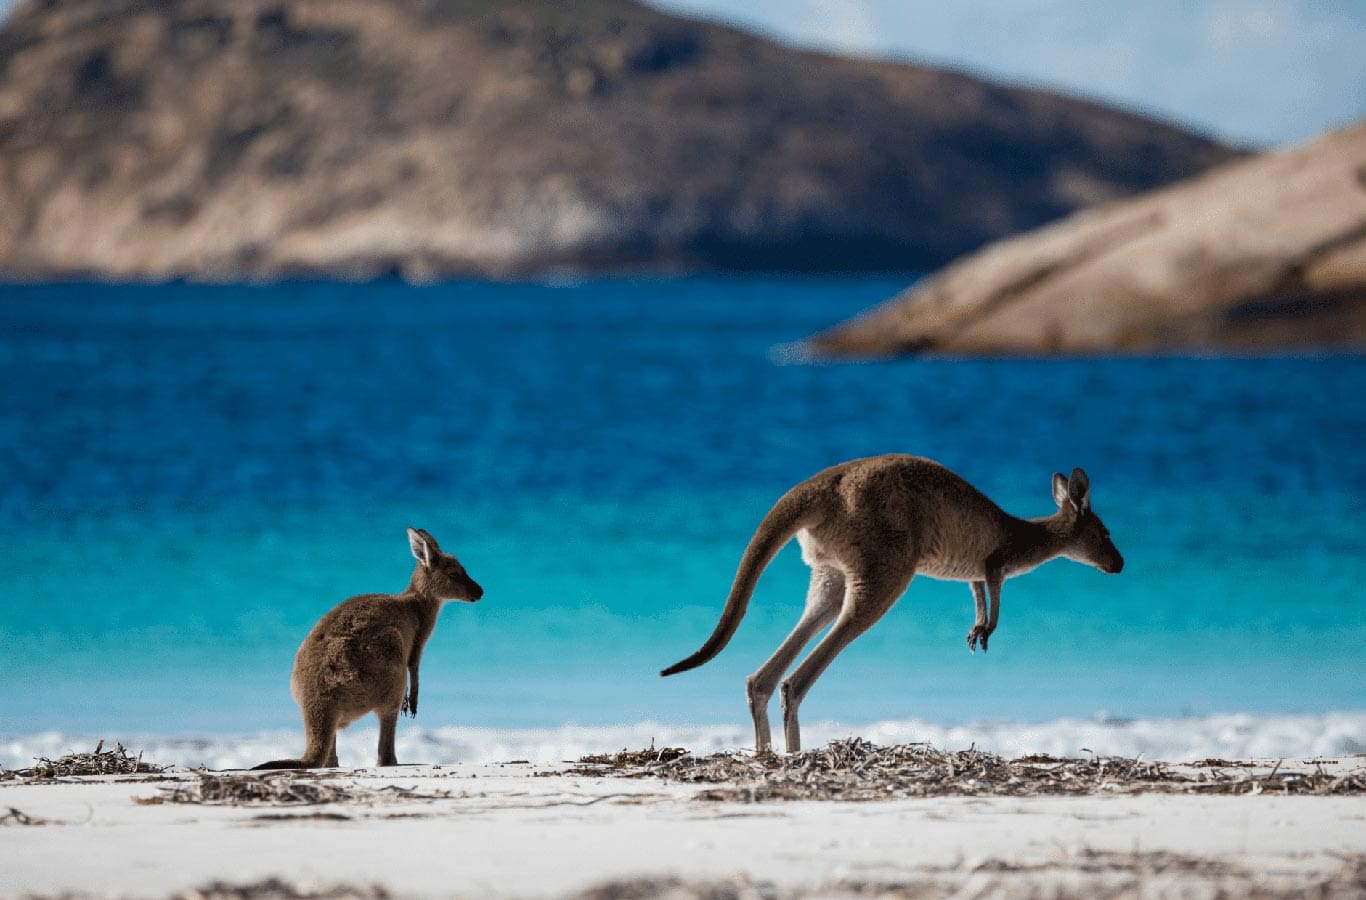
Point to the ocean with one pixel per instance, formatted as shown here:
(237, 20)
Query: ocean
(191, 475)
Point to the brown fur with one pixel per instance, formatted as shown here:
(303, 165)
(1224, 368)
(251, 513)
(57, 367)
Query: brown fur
(363, 656)
(866, 527)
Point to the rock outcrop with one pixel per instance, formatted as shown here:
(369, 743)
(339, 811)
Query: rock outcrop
(228, 139)
(1263, 253)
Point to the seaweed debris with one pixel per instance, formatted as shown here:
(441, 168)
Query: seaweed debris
(279, 889)
(277, 789)
(856, 769)
(629, 763)
(98, 762)
(1090, 875)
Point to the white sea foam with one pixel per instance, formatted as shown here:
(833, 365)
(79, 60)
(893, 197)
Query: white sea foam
(1230, 736)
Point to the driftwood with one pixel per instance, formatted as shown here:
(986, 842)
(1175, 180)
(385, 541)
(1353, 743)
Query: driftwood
(855, 769)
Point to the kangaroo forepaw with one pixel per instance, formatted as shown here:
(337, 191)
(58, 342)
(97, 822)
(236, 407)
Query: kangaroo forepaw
(409, 707)
(978, 633)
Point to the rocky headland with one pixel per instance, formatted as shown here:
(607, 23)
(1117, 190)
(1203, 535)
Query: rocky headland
(1260, 254)
(264, 139)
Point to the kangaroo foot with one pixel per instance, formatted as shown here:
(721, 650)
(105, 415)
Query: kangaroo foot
(978, 633)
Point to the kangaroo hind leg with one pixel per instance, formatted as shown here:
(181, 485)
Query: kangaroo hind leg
(320, 730)
(868, 598)
(388, 723)
(823, 600)
(320, 726)
(979, 625)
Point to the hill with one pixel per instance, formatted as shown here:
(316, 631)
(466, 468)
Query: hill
(230, 139)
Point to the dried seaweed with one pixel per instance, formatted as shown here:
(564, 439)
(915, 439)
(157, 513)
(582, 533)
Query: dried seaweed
(279, 889)
(1215, 762)
(1092, 874)
(266, 889)
(99, 762)
(278, 789)
(630, 763)
(855, 769)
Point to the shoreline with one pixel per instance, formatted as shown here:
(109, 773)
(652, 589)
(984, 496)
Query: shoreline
(523, 830)
(1226, 735)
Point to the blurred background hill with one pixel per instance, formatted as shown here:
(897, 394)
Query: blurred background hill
(259, 139)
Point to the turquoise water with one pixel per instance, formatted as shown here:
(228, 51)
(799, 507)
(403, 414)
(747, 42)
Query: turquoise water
(193, 475)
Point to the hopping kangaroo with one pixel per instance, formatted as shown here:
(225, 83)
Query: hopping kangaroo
(363, 656)
(866, 527)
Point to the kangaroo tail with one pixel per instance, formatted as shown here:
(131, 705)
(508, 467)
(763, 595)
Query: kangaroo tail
(777, 528)
(288, 764)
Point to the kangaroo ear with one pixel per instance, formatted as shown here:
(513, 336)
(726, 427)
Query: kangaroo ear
(1059, 488)
(422, 550)
(1079, 490)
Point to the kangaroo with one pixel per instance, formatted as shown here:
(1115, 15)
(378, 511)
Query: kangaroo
(358, 657)
(866, 527)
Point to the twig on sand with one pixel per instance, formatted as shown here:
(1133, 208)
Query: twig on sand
(19, 817)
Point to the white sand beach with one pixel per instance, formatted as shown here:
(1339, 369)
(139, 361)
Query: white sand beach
(522, 830)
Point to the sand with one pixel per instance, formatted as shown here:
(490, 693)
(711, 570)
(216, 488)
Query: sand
(518, 830)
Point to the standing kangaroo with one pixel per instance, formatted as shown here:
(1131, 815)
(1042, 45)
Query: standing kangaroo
(866, 527)
(363, 656)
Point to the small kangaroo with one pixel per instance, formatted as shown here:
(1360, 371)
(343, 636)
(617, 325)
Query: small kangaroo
(866, 527)
(362, 655)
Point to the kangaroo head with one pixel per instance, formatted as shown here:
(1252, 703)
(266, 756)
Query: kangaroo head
(440, 574)
(1089, 540)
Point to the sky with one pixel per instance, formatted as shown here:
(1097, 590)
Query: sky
(1253, 72)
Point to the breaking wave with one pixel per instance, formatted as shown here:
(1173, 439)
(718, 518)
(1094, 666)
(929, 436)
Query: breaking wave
(1229, 736)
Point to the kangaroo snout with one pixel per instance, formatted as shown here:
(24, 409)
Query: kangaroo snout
(1114, 566)
(476, 593)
